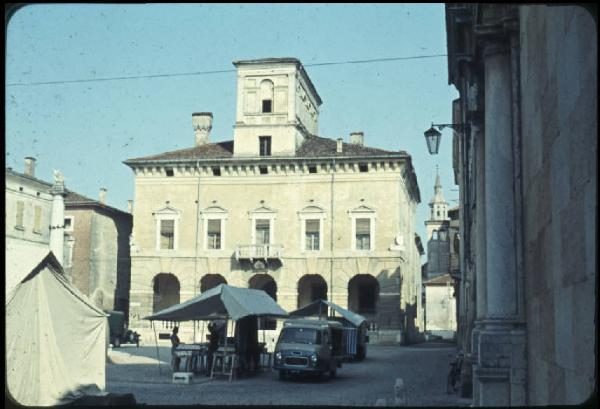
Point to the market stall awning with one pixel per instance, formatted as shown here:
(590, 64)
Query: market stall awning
(222, 302)
(319, 307)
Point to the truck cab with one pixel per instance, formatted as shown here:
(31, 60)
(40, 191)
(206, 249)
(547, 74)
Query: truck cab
(309, 346)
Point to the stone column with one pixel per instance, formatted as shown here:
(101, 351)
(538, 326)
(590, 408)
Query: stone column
(499, 373)
(499, 186)
(57, 219)
(479, 243)
(480, 247)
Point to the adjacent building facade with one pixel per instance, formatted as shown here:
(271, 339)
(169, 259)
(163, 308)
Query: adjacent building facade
(97, 256)
(281, 209)
(89, 238)
(33, 215)
(527, 169)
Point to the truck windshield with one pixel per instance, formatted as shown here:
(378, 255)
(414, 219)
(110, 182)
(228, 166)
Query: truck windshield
(300, 335)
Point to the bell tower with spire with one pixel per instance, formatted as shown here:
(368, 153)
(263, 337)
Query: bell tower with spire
(439, 209)
(437, 232)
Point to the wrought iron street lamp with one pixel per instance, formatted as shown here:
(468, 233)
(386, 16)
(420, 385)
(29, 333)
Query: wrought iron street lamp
(432, 135)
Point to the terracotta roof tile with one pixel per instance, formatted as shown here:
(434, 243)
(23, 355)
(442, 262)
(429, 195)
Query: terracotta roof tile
(313, 146)
(207, 151)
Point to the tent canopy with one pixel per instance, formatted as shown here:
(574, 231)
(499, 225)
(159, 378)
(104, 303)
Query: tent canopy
(19, 266)
(320, 306)
(222, 302)
(56, 339)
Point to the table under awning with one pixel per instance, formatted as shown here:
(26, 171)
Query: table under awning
(223, 302)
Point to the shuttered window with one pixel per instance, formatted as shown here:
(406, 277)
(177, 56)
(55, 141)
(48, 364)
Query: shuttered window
(167, 234)
(214, 234)
(20, 210)
(37, 221)
(312, 235)
(363, 234)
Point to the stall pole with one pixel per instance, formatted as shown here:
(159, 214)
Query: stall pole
(156, 343)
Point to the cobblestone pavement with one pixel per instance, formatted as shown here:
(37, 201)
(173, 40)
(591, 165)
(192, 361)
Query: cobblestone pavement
(422, 367)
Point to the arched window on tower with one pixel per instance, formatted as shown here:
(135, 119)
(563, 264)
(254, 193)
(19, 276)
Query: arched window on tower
(443, 234)
(266, 96)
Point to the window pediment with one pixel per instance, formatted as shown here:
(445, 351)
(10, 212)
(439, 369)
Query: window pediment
(362, 209)
(167, 211)
(264, 210)
(312, 209)
(214, 211)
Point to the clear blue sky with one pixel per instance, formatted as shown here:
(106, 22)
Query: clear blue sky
(87, 129)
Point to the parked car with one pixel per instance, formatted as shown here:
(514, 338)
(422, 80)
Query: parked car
(310, 347)
(119, 334)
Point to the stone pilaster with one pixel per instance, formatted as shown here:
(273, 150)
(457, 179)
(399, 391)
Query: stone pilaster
(500, 369)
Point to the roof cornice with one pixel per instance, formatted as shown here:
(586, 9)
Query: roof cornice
(262, 159)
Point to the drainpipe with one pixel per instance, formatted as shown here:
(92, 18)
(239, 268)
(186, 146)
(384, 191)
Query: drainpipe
(196, 245)
(331, 233)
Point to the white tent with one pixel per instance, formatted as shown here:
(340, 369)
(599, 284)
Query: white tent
(56, 340)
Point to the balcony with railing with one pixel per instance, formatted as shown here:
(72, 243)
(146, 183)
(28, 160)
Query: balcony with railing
(259, 251)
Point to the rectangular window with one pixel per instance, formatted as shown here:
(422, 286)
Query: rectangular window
(312, 169)
(265, 145)
(20, 210)
(264, 170)
(170, 172)
(216, 171)
(363, 234)
(69, 223)
(267, 105)
(37, 221)
(363, 167)
(214, 234)
(263, 230)
(312, 235)
(167, 234)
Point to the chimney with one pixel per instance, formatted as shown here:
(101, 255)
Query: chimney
(103, 191)
(202, 123)
(357, 138)
(30, 166)
(130, 206)
(340, 145)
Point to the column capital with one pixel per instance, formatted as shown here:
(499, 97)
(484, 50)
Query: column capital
(496, 46)
(497, 26)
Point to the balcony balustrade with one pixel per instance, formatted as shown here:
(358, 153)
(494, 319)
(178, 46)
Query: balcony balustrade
(259, 251)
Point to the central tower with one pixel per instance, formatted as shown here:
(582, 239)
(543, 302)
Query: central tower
(277, 107)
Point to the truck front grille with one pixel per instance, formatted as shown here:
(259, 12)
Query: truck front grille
(296, 360)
